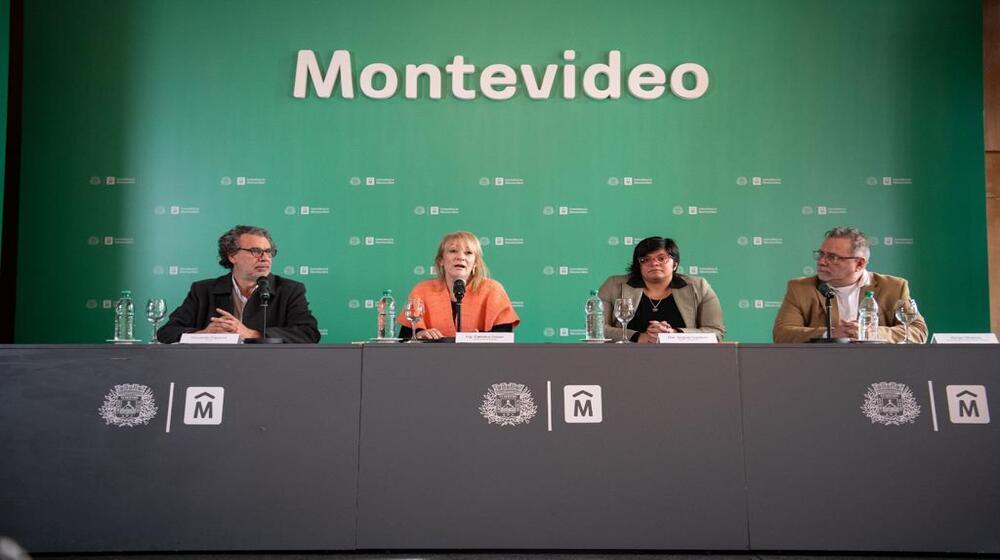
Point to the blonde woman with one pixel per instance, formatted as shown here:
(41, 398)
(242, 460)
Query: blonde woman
(485, 306)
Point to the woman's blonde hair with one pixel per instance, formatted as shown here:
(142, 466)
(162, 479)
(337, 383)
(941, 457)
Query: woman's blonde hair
(464, 239)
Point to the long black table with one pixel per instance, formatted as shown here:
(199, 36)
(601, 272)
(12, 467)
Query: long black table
(823, 475)
(277, 472)
(714, 447)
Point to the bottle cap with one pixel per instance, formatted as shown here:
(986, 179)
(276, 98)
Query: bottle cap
(593, 292)
(869, 293)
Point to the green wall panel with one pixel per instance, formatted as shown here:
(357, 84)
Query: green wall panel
(830, 99)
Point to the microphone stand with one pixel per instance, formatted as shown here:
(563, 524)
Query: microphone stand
(265, 301)
(829, 339)
(459, 292)
(829, 319)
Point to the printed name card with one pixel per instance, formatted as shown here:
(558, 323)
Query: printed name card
(688, 338)
(964, 338)
(485, 337)
(210, 338)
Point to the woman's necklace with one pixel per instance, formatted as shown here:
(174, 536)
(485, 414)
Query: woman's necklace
(656, 303)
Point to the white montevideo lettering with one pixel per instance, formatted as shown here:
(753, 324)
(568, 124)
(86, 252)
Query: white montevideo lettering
(498, 82)
(646, 75)
(367, 81)
(534, 90)
(613, 71)
(700, 81)
(433, 74)
(458, 69)
(307, 67)
(498, 75)
(569, 75)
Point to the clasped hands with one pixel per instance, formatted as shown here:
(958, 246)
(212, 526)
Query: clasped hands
(652, 334)
(846, 329)
(228, 323)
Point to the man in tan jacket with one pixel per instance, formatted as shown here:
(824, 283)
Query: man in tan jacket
(841, 263)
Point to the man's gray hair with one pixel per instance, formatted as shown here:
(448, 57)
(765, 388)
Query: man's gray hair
(229, 242)
(859, 242)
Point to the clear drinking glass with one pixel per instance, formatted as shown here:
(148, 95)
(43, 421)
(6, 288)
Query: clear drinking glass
(413, 312)
(906, 312)
(156, 310)
(624, 311)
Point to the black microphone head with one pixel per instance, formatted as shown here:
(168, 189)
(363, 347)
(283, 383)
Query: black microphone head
(459, 289)
(264, 288)
(826, 290)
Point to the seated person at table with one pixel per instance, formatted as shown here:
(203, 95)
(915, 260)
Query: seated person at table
(231, 304)
(841, 262)
(665, 301)
(485, 307)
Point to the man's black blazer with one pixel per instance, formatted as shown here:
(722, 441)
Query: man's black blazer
(288, 314)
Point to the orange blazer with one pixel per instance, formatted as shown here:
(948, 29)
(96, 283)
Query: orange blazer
(481, 310)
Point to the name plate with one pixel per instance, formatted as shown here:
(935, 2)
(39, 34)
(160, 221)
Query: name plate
(485, 337)
(964, 338)
(688, 338)
(210, 338)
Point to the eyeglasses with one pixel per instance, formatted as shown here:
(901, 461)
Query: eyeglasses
(831, 258)
(257, 252)
(658, 259)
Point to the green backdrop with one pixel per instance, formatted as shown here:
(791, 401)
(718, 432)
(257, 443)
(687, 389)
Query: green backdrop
(152, 127)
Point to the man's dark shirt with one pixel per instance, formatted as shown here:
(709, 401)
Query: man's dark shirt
(288, 315)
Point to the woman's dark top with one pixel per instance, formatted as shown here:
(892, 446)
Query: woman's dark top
(666, 311)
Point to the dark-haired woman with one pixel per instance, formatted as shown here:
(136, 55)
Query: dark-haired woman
(665, 301)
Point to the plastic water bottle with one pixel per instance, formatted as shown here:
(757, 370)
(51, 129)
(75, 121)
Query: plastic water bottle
(386, 315)
(595, 317)
(124, 316)
(868, 318)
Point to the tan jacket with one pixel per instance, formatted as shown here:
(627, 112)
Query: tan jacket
(698, 304)
(803, 313)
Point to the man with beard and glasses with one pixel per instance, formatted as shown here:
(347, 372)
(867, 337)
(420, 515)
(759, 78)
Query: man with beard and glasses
(841, 263)
(232, 303)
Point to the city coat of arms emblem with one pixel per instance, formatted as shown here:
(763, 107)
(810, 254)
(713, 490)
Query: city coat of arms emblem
(128, 405)
(890, 404)
(508, 404)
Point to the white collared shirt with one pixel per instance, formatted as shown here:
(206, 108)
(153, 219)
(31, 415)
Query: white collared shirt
(240, 302)
(847, 297)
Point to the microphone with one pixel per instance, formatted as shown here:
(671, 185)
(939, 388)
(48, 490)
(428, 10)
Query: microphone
(459, 290)
(264, 289)
(826, 290)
